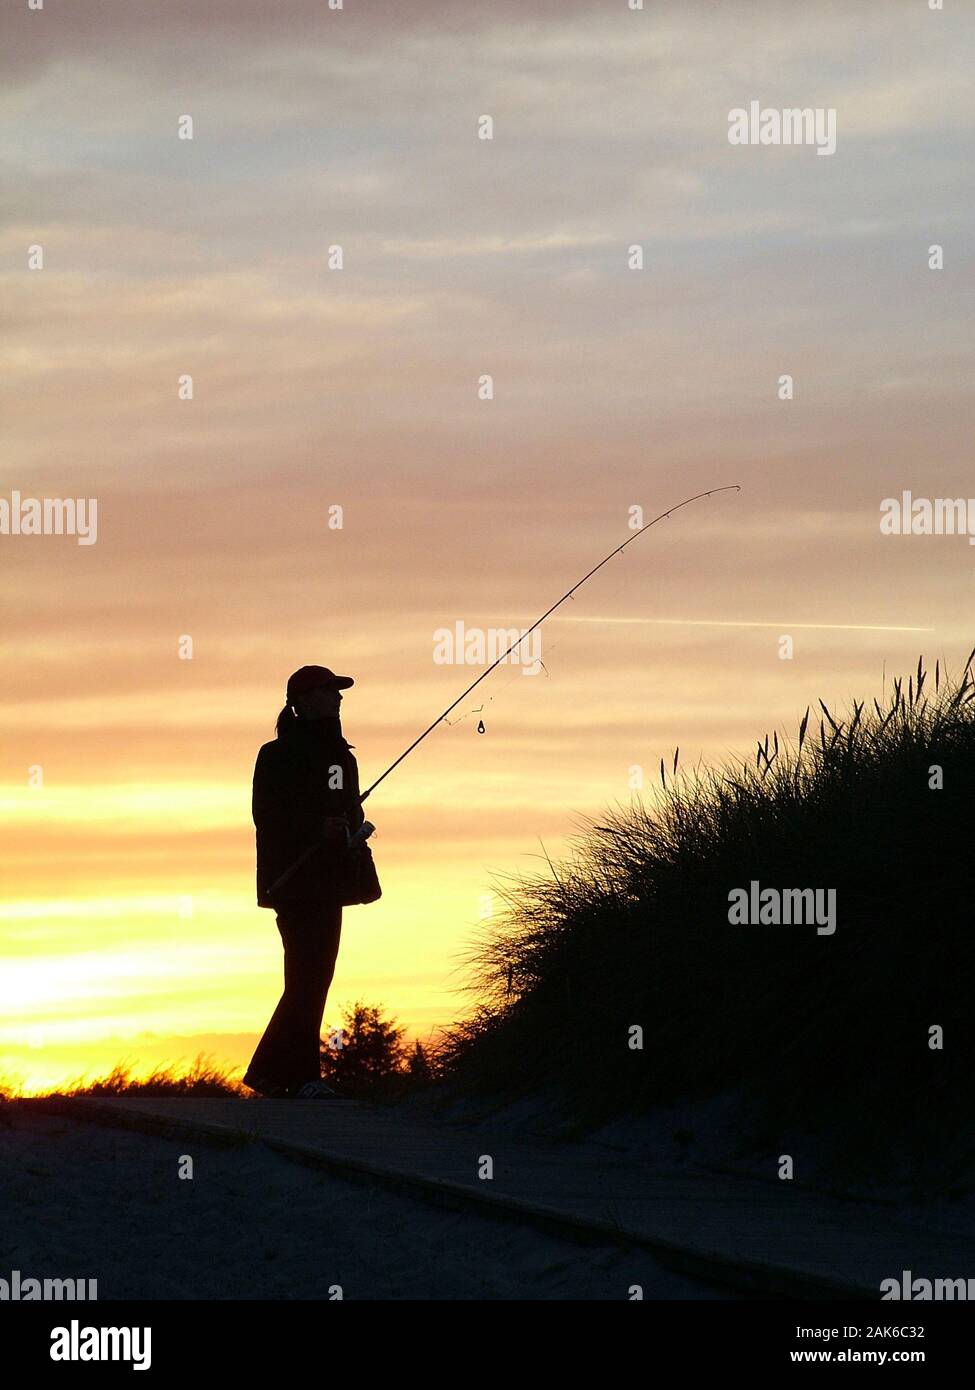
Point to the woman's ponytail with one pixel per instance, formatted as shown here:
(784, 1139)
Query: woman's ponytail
(287, 722)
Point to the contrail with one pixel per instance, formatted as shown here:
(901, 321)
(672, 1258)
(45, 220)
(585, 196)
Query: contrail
(721, 622)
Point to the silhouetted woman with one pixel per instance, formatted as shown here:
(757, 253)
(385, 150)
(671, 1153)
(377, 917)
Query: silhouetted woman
(306, 792)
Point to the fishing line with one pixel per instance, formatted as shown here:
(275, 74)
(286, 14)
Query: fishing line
(571, 638)
(617, 550)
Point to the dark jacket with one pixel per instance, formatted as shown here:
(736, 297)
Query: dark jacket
(292, 796)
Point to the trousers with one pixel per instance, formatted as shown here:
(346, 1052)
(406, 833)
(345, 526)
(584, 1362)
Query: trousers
(288, 1054)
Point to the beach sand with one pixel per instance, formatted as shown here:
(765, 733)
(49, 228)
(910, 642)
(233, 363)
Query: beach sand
(84, 1201)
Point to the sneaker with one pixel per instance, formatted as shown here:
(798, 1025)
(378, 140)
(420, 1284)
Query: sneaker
(315, 1090)
(267, 1089)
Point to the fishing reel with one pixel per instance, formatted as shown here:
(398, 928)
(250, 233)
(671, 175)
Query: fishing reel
(366, 829)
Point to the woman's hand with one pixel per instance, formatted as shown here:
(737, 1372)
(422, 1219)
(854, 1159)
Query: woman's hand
(335, 828)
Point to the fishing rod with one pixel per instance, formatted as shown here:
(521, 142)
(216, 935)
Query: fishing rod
(618, 550)
(367, 828)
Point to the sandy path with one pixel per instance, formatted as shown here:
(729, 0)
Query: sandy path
(83, 1201)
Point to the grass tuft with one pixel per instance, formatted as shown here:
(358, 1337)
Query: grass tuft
(203, 1078)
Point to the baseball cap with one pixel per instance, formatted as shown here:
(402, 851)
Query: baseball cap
(311, 678)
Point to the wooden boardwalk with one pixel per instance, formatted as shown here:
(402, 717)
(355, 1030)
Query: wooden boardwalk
(770, 1239)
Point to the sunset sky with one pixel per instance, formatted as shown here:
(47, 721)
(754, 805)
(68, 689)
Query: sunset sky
(358, 388)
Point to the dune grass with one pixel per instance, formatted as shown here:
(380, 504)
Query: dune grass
(823, 1033)
(201, 1078)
